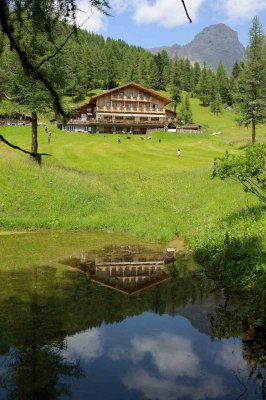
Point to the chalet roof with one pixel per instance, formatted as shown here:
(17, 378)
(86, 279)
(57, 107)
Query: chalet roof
(93, 99)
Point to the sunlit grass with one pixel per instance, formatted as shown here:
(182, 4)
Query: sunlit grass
(138, 187)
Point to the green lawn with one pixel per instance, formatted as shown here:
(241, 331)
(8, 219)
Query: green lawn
(138, 187)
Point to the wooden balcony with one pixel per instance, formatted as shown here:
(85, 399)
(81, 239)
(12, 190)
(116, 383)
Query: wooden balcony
(120, 121)
(131, 98)
(131, 110)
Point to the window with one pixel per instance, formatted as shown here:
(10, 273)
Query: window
(143, 105)
(129, 105)
(155, 106)
(155, 119)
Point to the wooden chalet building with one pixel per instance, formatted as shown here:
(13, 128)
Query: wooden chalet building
(130, 108)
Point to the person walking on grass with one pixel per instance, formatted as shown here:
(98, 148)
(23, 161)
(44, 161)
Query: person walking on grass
(178, 153)
(49, 137)
(118, 140)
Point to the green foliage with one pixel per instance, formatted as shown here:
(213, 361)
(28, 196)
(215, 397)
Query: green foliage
(248, 169)
(204, 87)
(176, 96)
(216, 104)
(251, 99)
(185, 115)
(223, 84)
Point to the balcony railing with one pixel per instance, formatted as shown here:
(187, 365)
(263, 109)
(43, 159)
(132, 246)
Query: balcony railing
(130, 110)
(117, 121)
(132, 98)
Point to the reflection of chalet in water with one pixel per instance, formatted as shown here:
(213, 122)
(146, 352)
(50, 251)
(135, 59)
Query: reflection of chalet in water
(126, 269)
(130, 277)
(130, 108)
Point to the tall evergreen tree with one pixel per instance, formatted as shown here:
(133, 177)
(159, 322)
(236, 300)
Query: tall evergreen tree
(223, 84)
(175, 80)
(251, 97)
(216, 104)
(204, 89)
(176, 96)
(185, 110)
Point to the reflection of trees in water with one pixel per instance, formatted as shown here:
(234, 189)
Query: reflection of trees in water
(33, 372)
(32, 367)
(39, 308)
(237, 316)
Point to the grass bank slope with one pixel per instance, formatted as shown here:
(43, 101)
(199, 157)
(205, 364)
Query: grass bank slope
(139, 186)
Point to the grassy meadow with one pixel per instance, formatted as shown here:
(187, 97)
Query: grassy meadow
(138, 187)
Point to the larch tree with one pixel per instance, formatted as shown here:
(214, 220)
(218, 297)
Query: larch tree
(251, 96)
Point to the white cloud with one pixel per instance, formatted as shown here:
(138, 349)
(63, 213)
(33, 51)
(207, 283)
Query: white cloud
(160, 388)
(96, 21)
(86, 345)
(241, 9)
(231, 357)
(120, 6)
(172, 355)
(167, 13)
(174, 358)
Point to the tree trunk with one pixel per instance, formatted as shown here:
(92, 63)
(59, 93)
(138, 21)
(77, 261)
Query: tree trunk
(253, 130)
(34, 130)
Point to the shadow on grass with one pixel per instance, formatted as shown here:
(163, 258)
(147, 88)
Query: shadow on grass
(255, 212)
(73, 170)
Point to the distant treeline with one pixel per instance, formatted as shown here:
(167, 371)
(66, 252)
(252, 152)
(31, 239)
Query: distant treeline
(89, 61)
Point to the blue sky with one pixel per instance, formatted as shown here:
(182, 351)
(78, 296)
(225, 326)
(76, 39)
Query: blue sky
(152, 23)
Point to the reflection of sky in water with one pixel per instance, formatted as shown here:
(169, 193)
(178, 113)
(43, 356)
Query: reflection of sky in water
(159, 358)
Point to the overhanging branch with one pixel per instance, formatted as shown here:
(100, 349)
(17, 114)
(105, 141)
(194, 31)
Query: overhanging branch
(2, 139)
(185, 8)
(29, 68)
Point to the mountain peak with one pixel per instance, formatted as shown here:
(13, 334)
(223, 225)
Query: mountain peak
(214, 44)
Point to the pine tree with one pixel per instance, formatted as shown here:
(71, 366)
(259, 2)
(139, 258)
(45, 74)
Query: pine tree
(204, 89)
(185, 110)
(236, 70)
(176, 75)
(176, 96)
(223, 84)
(154, 81)
(196, 73)
(251, 97)
(216, 104)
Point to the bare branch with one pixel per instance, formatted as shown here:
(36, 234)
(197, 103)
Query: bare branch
(2, 139)
(185, 8)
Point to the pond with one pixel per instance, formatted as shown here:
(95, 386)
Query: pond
(100, 316)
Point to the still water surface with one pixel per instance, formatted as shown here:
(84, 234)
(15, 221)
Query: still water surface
(97, 317)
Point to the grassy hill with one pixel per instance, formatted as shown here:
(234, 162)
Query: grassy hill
(139, 186)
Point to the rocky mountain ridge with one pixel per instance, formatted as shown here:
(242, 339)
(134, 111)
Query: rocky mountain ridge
(214, 44)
